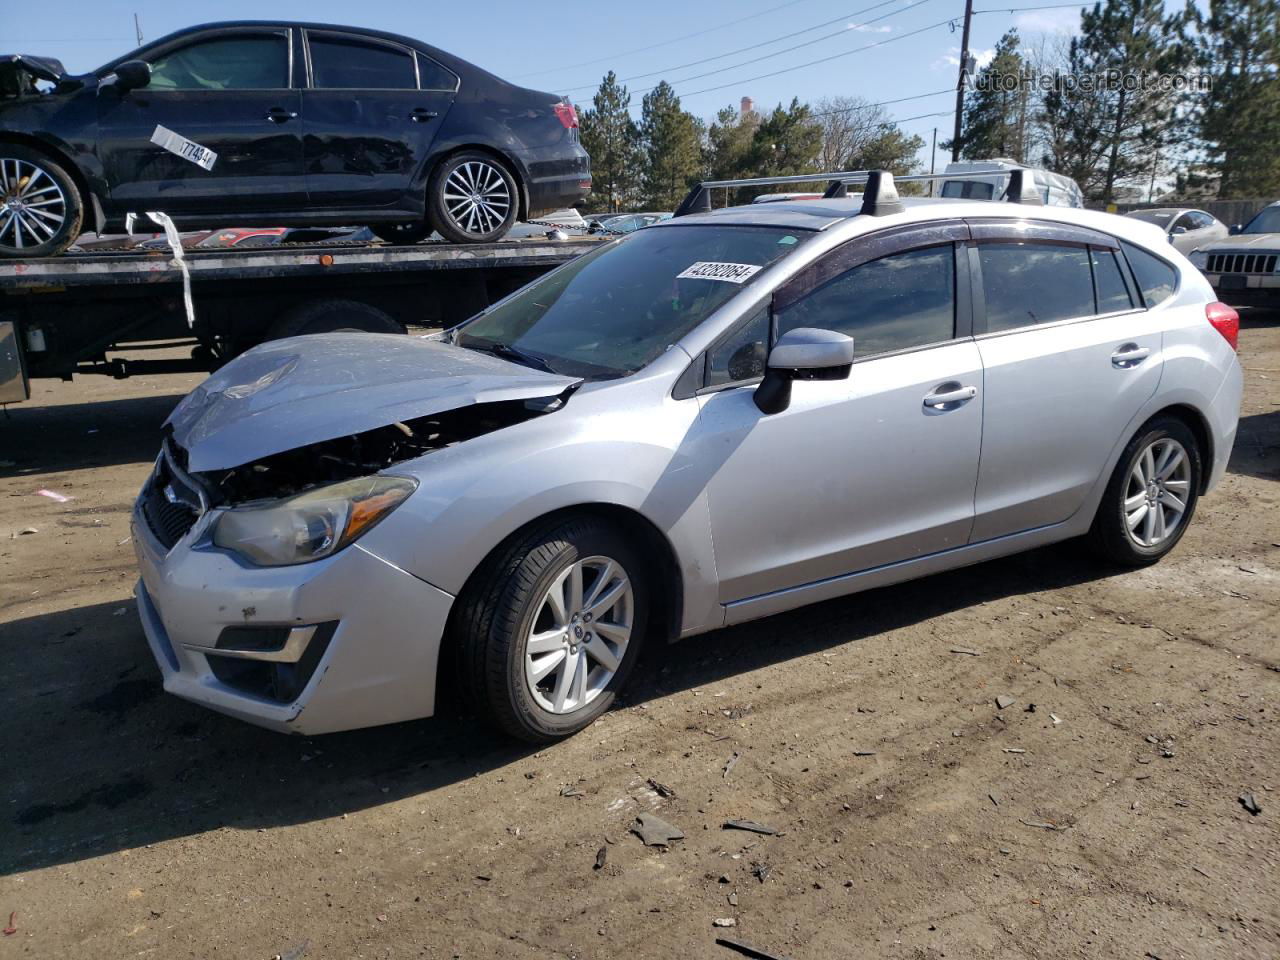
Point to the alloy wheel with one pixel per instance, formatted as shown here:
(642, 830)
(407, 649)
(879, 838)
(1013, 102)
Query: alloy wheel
(579, 635)
(1157, 492)
(477, 197)
(33, 207)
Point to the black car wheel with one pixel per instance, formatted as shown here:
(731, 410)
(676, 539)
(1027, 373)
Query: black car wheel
(472, 198)
(40, 208)
(402, 232)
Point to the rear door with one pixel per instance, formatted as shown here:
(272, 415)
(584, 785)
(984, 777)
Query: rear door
(369, 115)
(227, 90)
(1070, 356)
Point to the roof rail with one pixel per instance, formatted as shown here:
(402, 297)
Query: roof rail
(879, 195)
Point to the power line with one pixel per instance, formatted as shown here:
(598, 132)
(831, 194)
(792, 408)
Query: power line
(765, 43)
(655, 46)
(881, 103)
(1050, 6)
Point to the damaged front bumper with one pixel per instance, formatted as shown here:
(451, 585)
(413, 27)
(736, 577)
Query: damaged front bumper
(345, 642)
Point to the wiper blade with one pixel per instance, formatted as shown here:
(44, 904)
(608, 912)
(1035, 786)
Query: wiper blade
(516, 355)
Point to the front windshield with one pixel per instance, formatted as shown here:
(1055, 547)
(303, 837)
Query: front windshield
(1268, 221)
(615, 310)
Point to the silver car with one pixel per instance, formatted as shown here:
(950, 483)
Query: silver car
(1186, 229)
(717, 418)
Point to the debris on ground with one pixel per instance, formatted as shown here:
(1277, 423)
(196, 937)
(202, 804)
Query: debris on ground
(749, 825)
(761, 870)
(601, 856)
(748, 950)
(730, 764)
(661, 789)
(864, 753)
(569, 790)
(293, 953)
(12, 928)
(1250, 804)
(54, 495)
(1040, 824)
(1055, 718)
(654, 831)
(26, 532)
(724, 922)
(1004, 700)
(967, 651)
(1029, 708)
(1014, 750)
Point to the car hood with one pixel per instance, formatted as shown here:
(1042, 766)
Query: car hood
(40, 68)
(1244, 241)
(291, 393)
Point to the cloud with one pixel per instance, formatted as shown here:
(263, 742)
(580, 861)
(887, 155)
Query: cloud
(1048, 21)
(866, 28)
(951, 59)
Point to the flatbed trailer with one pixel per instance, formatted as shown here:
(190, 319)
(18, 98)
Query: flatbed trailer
(60, 316)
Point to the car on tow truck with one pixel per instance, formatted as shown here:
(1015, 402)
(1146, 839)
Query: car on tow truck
(720, 417)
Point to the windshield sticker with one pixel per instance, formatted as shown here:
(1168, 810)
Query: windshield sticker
(180, 146)
(728, 272)
(787, 241)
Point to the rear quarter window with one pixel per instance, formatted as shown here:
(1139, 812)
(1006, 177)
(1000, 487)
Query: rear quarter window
(1157, 279)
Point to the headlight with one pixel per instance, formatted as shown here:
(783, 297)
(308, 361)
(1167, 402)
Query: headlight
(1199, 259)
(311, 525)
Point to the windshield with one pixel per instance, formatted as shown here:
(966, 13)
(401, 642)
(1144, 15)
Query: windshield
(615, 310)
(1268, 221)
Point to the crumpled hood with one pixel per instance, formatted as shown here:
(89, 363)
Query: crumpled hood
(290, 393)
(1242, 242)
(42, 68)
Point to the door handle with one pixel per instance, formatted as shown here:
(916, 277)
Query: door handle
(949, 395)
(1130, 355)
(422, 115)
(281, 115)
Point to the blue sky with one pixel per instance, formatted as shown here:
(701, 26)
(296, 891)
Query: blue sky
(555, 46)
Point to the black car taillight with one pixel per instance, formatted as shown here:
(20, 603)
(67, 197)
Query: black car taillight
(568, 114)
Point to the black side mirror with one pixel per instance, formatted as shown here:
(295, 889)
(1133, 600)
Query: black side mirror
(805, 353)
(1236, 228)
(132, 74)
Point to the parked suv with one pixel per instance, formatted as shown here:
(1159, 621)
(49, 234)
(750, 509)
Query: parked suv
(1244, 268)
(295, 124)
(720, 417)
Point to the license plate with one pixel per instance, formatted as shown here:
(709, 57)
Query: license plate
(1233, 283)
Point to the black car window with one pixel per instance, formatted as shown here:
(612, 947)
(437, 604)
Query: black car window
(1032, 283)
(1113, 293)
(740, 355)
(899, 301)
(615, 310)
(345, 63)
(1156, 279)
(1186, 222)
(1200, 220)
(258, 62)
(968, 189)
(432, 76)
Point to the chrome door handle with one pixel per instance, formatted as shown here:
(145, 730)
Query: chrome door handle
(955, 395)
(1130, 355)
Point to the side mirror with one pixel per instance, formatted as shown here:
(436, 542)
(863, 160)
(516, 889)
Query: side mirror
(1236, 228)
(132, 74)
(805, 353)
(1178, 230)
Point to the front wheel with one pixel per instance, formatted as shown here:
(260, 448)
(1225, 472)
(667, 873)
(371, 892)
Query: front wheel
(1151, 496)
(41, 211)
(551, 628)
(472, 198)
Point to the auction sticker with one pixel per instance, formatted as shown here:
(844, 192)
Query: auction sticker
(728, 272)
(179, 145)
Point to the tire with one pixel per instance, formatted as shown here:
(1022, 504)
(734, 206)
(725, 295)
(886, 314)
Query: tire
(332, 316)
(455, 215)
(507, 602)
(1123, 532)
(402, 232)
(41, 210)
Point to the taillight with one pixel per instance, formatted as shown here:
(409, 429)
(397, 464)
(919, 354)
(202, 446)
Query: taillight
(568, 114)
(1225, 320)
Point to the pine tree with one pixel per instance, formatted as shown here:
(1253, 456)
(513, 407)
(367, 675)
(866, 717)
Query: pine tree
(891, 150)
(995, 122)
(671, 140)
(787, 142)
(611, 138)
(1238, 119)
(726, 155)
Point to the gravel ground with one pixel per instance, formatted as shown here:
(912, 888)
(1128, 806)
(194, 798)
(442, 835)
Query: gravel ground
(1096, 816)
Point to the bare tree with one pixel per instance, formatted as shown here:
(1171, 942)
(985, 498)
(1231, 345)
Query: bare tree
(848, 124)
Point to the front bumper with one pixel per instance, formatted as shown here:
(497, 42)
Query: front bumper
(378, 628)
(1246, 290)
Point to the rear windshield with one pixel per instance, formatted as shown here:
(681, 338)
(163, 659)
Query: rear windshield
(613, 311)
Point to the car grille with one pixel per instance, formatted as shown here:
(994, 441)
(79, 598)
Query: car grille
(1242, 262)
(171, 501)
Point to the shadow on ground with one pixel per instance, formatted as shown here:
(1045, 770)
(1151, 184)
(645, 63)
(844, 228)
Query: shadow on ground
(100, 759)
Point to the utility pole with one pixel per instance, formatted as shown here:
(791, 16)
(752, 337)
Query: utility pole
(933, 158)
(964, 68)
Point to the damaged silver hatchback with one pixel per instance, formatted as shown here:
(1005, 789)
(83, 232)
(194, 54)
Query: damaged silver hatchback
(716, 418)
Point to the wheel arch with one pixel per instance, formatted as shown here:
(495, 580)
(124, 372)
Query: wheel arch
(89, 200)
(1195, 422)
(509, 161)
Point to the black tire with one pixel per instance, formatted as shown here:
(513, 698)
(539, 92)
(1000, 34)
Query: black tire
(332, 316)
(1110, 535)
(500, 607)
(402, 232)
(485, 169)
(29, 177)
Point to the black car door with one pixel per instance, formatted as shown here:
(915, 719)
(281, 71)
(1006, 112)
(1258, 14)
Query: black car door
(368, 119)
(229, 91)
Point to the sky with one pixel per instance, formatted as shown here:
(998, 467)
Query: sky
(879, 49)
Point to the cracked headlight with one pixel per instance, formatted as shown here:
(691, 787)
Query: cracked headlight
(311, 525)
(1199, 259)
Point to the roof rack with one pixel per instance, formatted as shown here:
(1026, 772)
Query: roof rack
(879, 193)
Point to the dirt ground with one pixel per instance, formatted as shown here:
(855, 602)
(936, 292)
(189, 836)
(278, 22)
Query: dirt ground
(914, 818)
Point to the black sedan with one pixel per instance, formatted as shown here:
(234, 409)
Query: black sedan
(234, 124)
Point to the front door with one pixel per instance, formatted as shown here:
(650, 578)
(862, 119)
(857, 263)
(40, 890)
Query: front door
(369, 117)
(227, 91)
(861, 472)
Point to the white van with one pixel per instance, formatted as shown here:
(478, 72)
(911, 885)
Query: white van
(988, 180)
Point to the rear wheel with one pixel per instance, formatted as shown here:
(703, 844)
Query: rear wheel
(550, 628)
(332, 316)
(41, 211)
(402, 232)
(472, 198)
(1151, 496)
